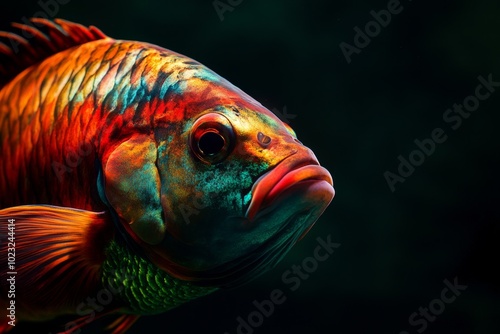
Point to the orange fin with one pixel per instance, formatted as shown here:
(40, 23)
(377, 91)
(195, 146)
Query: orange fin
(58, 252)
(122, 324)
(38, 41)
(119, 324)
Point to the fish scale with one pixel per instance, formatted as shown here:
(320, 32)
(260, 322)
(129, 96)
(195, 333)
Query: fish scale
(147, 289)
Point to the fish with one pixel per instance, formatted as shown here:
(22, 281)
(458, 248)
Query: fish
(134, 179)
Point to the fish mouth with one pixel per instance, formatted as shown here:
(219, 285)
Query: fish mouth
(290, 173)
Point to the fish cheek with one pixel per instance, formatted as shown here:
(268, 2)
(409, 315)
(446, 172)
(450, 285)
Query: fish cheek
(132, 187)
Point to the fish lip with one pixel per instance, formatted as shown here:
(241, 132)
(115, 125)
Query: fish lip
(289, 172)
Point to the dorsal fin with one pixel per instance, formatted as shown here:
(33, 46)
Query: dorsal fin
(34, 43)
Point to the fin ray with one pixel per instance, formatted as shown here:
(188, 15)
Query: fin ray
(56, 249)
(122, 324)
(43, 39)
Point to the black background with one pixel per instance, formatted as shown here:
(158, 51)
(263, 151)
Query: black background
(396, 247)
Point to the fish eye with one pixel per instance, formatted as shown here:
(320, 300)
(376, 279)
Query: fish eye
(212, 138)
(211, 142)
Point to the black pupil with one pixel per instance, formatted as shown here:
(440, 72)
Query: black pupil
(211, 143)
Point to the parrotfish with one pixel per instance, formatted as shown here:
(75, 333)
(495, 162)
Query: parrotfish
(134, 179)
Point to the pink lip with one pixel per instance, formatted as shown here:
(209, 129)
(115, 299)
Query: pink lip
(286, 174)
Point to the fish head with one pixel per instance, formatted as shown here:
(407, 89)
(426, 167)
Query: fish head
(229, 188)
(240, 189)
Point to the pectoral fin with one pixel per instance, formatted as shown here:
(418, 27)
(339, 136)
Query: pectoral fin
(55, 253)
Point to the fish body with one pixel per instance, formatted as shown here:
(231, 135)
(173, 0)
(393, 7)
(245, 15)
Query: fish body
(132, 170)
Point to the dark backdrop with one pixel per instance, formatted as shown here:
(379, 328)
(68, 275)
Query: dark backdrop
(397, 247)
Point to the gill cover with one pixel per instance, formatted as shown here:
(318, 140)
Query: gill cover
(132, 187)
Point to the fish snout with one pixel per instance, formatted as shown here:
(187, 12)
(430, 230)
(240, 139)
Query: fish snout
(300, 174)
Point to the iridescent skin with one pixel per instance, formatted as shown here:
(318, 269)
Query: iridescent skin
(123, 112)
